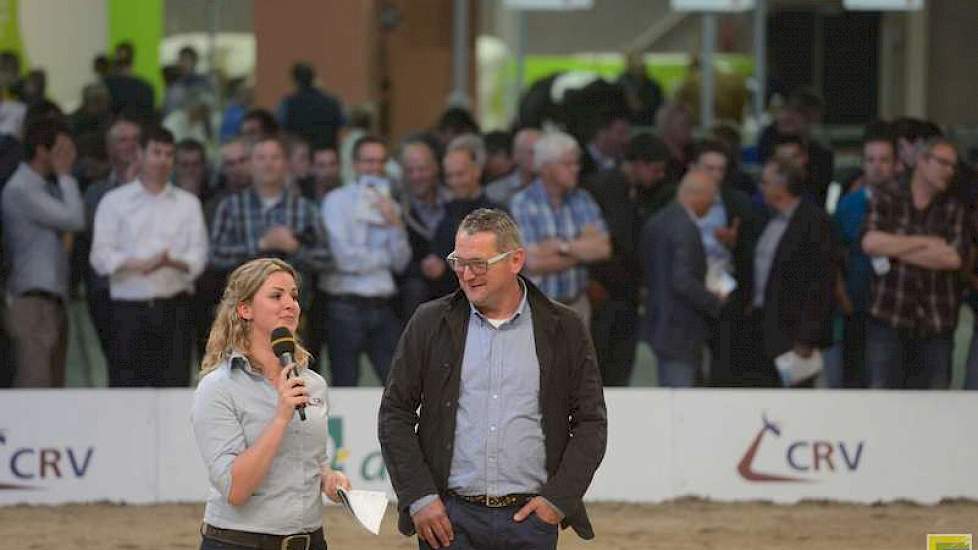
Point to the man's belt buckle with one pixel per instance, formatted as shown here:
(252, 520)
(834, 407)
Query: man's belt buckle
(297, 542)
(500, 502)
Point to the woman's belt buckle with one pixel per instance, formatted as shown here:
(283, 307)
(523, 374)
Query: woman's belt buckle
(297, 542)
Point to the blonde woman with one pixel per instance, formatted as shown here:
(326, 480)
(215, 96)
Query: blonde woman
(267, 467)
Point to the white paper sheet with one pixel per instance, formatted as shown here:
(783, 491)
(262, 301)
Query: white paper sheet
(718, 280)
(794, 368)
(368, 507)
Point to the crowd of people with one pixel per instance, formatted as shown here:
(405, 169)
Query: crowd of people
(646, 233)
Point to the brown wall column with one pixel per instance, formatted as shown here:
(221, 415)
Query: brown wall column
(405, 72)
(337, 37)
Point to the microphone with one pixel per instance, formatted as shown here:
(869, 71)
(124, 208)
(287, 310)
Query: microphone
(283, 345)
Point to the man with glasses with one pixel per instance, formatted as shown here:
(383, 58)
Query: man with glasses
(562, 225)
(915, 230)
(368, 240)
(512, 422)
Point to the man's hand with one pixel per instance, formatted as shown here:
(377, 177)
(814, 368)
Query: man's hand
(279, 238)
(803, 350)
(728, 235)
(722, 296)
(433, 525)
(550, 246)
(132, 171)
(168, 261)
(538, 506)
(432, 267)
(63, 155)
(144, 266)
(388, 210)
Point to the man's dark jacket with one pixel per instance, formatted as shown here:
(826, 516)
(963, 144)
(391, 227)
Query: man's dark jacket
(426, 372)
(798, 298)
(679, 307)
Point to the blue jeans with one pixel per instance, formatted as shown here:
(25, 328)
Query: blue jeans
(677, 373)
(899, 359)
(478, 527)
(355, 326)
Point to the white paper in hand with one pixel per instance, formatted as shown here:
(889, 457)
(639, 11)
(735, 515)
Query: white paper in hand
(794, 368)
(368, 507)
(718, 280)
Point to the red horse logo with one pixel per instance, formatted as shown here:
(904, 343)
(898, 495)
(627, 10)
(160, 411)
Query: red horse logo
(745, 467)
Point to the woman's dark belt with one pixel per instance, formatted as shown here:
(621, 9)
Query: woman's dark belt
(261, 541)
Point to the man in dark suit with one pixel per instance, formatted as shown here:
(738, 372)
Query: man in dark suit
(625, 196)
(680, 307)
(791, 294)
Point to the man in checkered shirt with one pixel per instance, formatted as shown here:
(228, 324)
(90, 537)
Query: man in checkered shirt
(561, 224)
(915, 234)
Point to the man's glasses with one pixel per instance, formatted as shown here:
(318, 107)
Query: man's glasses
(477, 267)
(945, 163)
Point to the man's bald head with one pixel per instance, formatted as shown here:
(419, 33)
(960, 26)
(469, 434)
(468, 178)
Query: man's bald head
(697, 191)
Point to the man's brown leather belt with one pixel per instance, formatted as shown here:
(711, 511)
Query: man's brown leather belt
(489, 501)
(260, 541)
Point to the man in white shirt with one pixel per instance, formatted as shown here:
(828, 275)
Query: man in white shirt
(370, 245)
(150, 240)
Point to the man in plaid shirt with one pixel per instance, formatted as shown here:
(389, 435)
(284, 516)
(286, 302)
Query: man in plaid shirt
(561, 224)
(272, 219)
(915, 232)
(267, 219)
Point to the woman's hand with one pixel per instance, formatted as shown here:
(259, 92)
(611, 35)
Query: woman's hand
(291, 393)
(333, 480)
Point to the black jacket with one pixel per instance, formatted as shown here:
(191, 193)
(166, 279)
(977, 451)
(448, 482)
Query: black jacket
(798, 299)
(426, 372)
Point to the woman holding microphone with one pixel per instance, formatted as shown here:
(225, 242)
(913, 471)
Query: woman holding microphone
(267, 467)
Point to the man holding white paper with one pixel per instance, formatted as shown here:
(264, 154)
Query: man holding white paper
(682, 301)
(791, 302)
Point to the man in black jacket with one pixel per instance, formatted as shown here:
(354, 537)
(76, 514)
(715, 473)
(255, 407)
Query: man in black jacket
(512, 422)
(791, 293)
(627, 196)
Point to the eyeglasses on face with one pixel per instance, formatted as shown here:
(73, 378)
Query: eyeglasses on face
(478, 267)
(945, 163)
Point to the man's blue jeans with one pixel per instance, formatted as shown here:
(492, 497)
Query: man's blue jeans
(355, 326)
(900, 359)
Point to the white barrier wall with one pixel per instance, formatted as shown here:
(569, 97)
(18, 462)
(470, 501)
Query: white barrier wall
(136, 446)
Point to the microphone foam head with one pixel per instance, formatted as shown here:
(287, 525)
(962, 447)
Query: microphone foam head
(283, 341)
